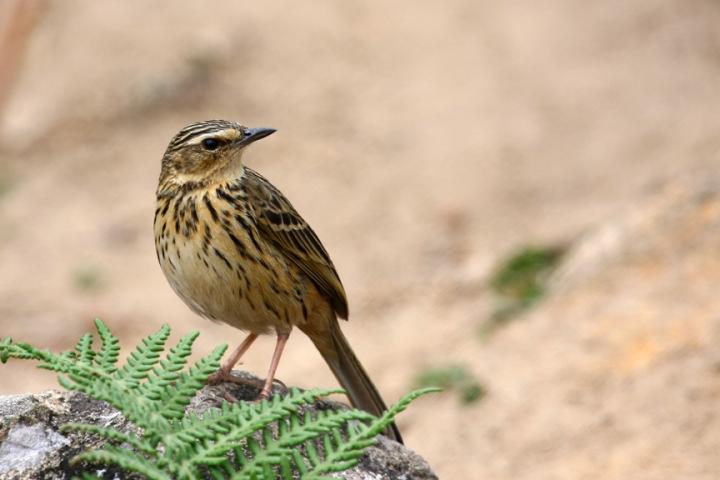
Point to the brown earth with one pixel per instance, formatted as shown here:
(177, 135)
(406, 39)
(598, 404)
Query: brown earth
(423, 141)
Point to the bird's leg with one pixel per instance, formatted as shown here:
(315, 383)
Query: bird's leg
(282, 339)
(223, 373)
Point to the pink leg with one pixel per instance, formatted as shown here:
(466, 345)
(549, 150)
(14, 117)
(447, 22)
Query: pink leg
(282, 339)
(224, 372)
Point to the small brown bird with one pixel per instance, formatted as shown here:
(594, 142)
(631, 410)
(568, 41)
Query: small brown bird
(236, 251)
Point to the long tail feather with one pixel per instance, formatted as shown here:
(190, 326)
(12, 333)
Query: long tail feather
(352, 376)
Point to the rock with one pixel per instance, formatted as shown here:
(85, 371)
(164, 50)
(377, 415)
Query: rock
(33, 447)
(25, 447)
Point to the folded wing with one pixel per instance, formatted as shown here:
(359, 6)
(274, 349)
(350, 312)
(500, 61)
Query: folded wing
(282, 225)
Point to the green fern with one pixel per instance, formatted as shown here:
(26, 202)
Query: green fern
(276, 438)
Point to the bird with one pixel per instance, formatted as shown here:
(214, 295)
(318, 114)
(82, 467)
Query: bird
(236, 251)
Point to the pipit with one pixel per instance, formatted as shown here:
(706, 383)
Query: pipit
(236, 251)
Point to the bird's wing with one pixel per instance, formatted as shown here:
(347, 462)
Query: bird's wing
(283, 226)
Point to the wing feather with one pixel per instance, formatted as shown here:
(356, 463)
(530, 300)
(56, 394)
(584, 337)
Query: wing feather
(282, 225)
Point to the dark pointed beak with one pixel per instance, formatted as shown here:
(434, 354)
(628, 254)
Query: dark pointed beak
(251, 135)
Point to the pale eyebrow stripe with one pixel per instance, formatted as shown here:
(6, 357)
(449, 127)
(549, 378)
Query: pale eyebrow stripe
(198, 130)
(196, 133)
(199, 137)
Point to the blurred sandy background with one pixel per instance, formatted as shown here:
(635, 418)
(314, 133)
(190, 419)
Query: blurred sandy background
(424, 141)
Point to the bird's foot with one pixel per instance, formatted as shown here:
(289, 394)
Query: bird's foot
(218, 377)
(268, 390)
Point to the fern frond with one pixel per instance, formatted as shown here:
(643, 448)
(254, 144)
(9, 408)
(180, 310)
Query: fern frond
(250, 415)
(111, 434)
(265, 440)
(209, 440)
(136, 409)
(383, 422)
(144, 357)
(295, 432)
(94, 380)
(5, 344)
(63, 363)
(175, 398)
(84, 349)
(169, 368)
(21, 351)
(347, 453)
(110, 348)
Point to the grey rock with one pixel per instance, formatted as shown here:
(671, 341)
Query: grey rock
(33, 447)
(26, 448)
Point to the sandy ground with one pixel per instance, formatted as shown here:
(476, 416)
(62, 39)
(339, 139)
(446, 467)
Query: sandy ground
(423, 141)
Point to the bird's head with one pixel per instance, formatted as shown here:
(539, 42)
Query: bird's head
(208, 149)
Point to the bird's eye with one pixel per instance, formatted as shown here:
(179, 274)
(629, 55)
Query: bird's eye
(211, 144)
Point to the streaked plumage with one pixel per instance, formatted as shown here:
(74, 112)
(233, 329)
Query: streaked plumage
(280, 224)
(236, 251)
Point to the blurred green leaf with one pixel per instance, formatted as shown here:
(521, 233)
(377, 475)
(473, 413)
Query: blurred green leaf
(472, 392)
(520, 281)
(88, 279)
(453, 377)
(522, 275)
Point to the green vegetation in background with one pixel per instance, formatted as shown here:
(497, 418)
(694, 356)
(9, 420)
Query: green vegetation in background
(456, 378)
(88, 279)
(520, 281)
(245, 440)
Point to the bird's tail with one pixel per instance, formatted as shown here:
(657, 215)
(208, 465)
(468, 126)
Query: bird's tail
(352, 376)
